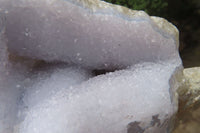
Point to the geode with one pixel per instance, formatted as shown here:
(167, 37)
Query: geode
(51, 50)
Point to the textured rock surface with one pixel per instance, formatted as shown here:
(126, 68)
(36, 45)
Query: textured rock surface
(189, 106)
(191, 89)
(86, 35)
(67, 28)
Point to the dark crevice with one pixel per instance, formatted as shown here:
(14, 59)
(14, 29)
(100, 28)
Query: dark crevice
(102, 71)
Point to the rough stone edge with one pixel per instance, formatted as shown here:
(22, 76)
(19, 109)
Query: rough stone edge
(161, 23)
(189, 94)
(167, 27)
(175, 82)
(189, 100)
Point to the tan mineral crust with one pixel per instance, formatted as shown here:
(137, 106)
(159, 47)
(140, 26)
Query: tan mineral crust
(188, 117)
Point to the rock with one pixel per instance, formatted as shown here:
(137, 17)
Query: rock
(68, 28)
(66, 41)
(189, 106)
(191, 89)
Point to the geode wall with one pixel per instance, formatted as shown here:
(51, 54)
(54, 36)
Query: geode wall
(50, 51)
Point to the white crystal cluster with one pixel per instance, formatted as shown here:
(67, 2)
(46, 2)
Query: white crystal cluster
(50, 51)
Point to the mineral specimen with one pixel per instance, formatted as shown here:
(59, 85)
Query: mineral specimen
(54, 48)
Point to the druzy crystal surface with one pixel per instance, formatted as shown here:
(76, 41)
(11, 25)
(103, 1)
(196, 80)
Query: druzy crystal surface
(51, 53)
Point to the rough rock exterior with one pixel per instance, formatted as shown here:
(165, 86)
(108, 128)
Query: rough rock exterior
(58, 44)
(188, 120)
